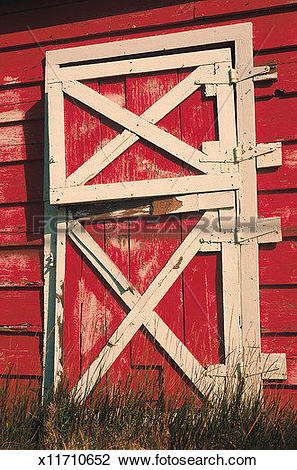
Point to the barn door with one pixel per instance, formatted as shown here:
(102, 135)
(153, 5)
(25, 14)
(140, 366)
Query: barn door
(152, 161)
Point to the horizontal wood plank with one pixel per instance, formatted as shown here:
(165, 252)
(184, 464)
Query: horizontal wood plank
(21, 225)
(278, 307)
(278, 263)
(119, 22)
(26, 133)
(22, 182)
(213, 8)
(276, 119)
(286, 73)
(27, 94)
(282, 205)
(20, 310)
(21, 111)
(20, 267)
(283, 177)
(20, 355)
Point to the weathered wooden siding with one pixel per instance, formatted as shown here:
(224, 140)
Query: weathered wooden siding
(22, 50)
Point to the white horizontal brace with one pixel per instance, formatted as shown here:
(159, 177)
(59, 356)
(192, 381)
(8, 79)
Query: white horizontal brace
(113, 149)
(166, 206)
(134, 123)
(142, 65)
(145, 188)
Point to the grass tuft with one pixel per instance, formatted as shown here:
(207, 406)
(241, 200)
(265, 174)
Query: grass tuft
(131, 417)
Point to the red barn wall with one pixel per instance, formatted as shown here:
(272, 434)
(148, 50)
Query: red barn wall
(30, 29)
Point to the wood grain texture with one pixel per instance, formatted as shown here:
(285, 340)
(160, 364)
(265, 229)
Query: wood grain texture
(116, 22)
(20, 267)
(278, 309)
(283, 177)
(20, 310)
(214, 8)
(22, 182)
(278, 263)
(282, 205)
(20, 355)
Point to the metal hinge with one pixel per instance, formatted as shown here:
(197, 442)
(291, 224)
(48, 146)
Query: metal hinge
(267, 155)
(265, 72)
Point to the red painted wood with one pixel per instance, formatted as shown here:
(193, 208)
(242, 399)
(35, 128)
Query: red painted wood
(278, 263)
(268, 30)
(286, 73)
(278, 307)
(21, 224)
(280, 394)
(22, 182)
(116, 22)
(26, 133)
(33, 57)
(82, 133)
(70, 335)
(13, 153)
(272, 118)
(116, 233)
(20, 95)
(20, 386)
(20, 267)
(20, 355)
(21, 308)
(114, 90)
(213, 8)
(283, 344)
(282, 205)
(153, 241)
(201, 302)
(21, 112)
(283, 177)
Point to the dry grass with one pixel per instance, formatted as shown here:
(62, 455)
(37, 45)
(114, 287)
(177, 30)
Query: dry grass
(132, 418)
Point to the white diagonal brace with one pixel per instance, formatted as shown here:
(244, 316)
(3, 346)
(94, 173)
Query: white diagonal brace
(145, 188)
(136, 124)
(123, 141)
(141, 309)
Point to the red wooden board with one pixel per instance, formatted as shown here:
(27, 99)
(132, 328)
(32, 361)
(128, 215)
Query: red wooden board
(20, 355)
(284, 176)
(22, 182)
(272, 118)
(278, 263)
(20, 267)
(21, 224)
(278, 307)
(121, 22)
(286, 73)
(20, 310)
(210, 8)
(282, 205)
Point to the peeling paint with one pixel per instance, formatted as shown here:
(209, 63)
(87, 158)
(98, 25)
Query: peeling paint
(165, 206)
(177, 265)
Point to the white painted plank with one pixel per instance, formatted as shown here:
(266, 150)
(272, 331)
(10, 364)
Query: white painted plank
(249, 262)
(122, 142)
(145, 188)
(143, 65)
(56, 135)
(59, 309)
(161, 43)
(133, 123)
(143, 307)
